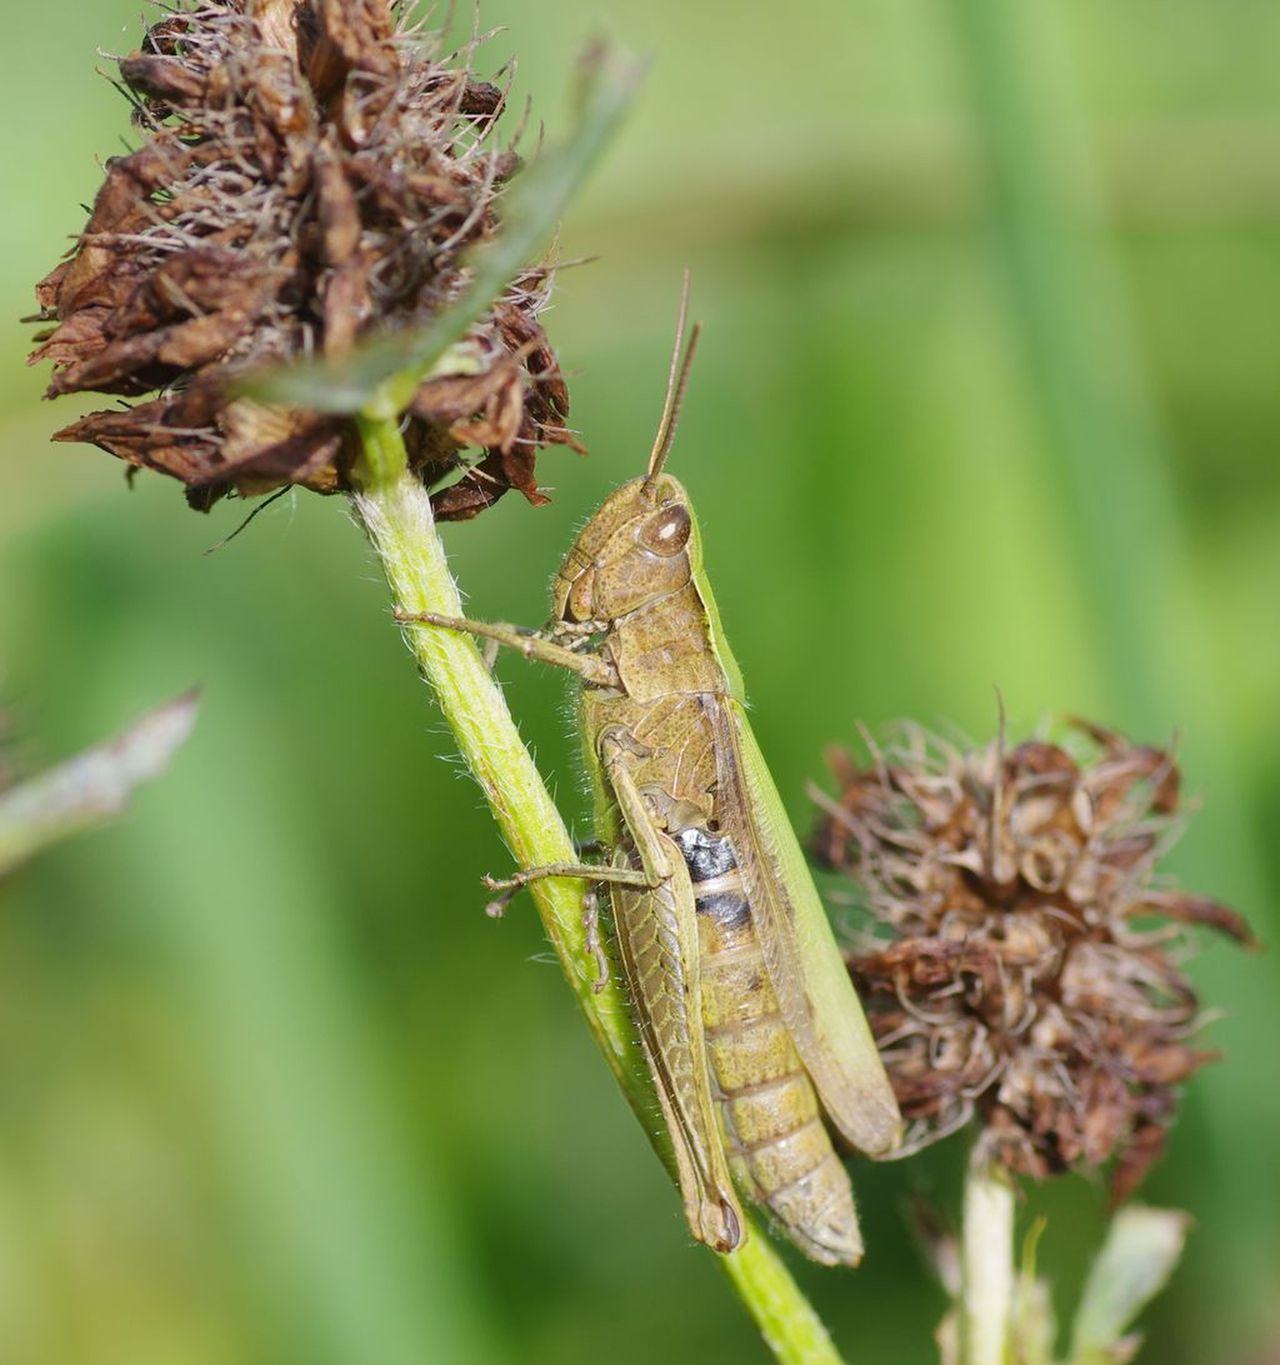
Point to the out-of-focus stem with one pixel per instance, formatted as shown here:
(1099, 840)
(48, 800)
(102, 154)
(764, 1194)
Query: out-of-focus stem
(93, 787)
(395, 511)
(986, 1265)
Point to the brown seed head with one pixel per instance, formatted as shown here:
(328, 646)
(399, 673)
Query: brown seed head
(1014, 985)
(310, 172)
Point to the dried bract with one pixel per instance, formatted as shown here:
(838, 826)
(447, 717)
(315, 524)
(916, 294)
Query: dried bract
(1029, 976)
(311, 173)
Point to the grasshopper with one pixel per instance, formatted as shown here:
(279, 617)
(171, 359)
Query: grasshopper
(749, 1022)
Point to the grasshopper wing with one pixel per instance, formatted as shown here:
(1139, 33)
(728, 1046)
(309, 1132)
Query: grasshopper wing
(808, 974)
(658, 937)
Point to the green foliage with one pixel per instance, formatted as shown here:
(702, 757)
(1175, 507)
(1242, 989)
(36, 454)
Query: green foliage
(255, 1112)
(1136, 1260)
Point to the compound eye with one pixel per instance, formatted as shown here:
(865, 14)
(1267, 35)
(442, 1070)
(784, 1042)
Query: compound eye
(667, 533)
(581, 596)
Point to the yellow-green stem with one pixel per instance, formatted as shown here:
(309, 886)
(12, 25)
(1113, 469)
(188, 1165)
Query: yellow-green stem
(395, 510)
(986, 1265)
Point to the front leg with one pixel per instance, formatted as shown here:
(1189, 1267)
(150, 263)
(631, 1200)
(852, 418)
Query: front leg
(590, 667)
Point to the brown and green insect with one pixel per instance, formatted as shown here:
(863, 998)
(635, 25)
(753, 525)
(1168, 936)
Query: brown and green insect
(749, 1022)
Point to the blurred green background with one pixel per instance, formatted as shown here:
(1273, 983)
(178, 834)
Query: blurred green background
(988, 396)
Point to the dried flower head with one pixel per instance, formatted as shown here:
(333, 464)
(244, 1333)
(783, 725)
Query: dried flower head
(311, 172)
(1014, 985)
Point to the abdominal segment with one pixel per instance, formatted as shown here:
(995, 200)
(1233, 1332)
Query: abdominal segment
(778, 1147)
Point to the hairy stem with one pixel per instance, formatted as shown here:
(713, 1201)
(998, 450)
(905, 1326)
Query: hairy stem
(986, 1265)
(785, 1318)
(395, 511)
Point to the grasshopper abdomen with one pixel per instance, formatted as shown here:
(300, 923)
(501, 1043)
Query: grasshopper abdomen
(778, 1146)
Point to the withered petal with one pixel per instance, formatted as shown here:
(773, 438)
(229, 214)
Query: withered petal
(1143, 1149)
(163, 78)
(83, 333)
(143, 437)
(1189, 909)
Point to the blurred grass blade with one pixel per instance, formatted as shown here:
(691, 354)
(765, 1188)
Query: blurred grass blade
(1107, 466)
(1103, 445)
(385, 371)
(332, 1197)
(1135, 1263)
(94, 786)
(1032, 1322)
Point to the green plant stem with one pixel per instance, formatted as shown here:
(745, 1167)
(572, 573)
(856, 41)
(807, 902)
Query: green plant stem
(395, 511)
(785, 1318)
(986, 1265)
(93, 787)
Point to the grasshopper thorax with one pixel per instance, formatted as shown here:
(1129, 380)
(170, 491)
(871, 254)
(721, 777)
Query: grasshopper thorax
(636, 550)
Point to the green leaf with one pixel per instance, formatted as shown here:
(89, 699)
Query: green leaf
(1032, 1328)
(92, 787)
(382, 374)
(1134, 1264)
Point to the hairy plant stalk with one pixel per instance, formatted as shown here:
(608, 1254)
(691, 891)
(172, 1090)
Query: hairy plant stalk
(986, 1265)
(785, 1318)
(395, 511)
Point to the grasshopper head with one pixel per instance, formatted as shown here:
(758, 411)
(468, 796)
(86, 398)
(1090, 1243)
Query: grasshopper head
(635, 550)
(641, 545)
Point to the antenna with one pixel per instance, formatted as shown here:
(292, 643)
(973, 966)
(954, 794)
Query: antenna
(677, 379)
